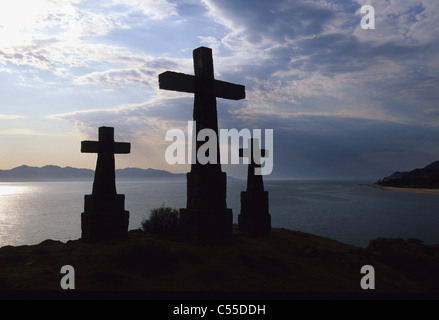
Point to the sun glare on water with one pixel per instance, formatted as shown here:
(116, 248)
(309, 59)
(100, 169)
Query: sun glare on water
(10, 189)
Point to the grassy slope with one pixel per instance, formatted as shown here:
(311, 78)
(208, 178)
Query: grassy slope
(286, 262)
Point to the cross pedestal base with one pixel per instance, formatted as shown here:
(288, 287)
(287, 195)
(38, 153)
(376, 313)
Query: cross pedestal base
(206, 217)
(254, 218)
(104, 218)
(206, 226)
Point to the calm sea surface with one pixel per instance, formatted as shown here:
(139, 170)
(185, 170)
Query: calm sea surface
(347, 211)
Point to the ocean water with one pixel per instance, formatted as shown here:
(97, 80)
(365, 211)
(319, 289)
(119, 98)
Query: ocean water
(347, 211)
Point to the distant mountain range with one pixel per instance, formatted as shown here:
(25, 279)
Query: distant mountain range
(427, 177)
(50, 172)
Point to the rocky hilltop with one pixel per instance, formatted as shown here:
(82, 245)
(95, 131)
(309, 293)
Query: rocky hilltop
(427, 177)
(285, 264)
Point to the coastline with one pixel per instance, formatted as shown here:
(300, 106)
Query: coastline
(402, 189)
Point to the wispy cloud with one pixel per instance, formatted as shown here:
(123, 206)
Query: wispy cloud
(11, 116)
(313, 56)
(153, 9)
(139, 70)
(58, 35)
(144, 125)
(23, 132)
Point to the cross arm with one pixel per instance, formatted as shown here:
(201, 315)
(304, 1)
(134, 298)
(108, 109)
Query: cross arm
(95, 147)
(176, 81)
(227, 90)
(122, 147)
(89, 146)
(182, 82)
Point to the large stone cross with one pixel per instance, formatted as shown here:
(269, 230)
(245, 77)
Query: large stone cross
(206, 216)
(104, 215)
(206, 89)
(105, 177)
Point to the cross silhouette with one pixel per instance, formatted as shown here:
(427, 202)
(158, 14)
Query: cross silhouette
(206, 89)
(105, 176)
(254, 217)
(206, 216)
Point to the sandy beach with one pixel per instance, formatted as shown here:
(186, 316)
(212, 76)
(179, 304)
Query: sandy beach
(415, 190)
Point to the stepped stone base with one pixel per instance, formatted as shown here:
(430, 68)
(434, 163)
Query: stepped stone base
(206, 226)
(104, 218)
(254, 218)
(206, 217)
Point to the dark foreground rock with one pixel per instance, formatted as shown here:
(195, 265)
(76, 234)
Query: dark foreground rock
(287, 262)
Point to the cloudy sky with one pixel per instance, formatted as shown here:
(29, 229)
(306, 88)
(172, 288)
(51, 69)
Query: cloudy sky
(342, 101)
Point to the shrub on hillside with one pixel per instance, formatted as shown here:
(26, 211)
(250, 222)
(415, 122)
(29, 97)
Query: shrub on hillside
(162, 221)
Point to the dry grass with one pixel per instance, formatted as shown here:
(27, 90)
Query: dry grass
(286, 262)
